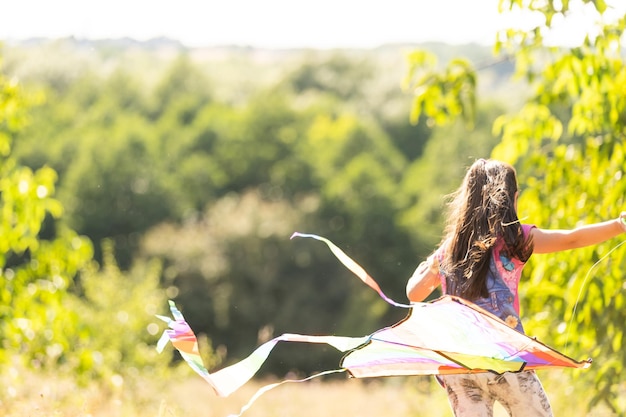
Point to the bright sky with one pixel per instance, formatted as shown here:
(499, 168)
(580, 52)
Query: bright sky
(265, 23)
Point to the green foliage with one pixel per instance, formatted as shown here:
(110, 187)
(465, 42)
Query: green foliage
(181, 92)
(117, 322)
(338, 75)
(36, 270)
(441, 95)
(115, 189)
(60, 311)
(567, 143)
(239, 278)
(209, 164)
(569, 292)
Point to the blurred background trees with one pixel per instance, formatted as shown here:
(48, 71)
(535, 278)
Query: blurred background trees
(211, 182)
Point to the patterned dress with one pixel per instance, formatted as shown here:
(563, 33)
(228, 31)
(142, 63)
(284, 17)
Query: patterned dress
(520, 393)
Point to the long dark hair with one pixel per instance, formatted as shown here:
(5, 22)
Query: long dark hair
(480, 212)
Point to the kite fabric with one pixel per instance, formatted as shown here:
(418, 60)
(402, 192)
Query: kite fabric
(445, 336)
(451, 336)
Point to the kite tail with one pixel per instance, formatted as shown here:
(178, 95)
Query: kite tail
(227, 380)
(354, 267)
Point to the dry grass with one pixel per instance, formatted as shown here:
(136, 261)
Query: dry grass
(52, 396)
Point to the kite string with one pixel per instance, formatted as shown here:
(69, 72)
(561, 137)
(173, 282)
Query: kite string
(580, 291)
(266, 388)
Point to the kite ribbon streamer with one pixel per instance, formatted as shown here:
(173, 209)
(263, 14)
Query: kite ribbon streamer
(354, 267)
(229, 379)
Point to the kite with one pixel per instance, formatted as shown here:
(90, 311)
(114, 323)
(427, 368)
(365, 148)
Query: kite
(474, 341)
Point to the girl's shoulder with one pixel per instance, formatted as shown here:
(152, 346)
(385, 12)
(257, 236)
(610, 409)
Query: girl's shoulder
(526, 228)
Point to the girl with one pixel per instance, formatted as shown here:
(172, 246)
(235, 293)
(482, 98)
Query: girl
(480, 259)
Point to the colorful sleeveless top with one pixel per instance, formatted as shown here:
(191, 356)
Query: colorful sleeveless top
(502, 284)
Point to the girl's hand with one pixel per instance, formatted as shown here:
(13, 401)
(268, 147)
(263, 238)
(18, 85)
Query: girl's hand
(622, 220)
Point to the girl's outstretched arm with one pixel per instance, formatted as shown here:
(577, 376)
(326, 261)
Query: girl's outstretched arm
(424, 280)
(547, 241)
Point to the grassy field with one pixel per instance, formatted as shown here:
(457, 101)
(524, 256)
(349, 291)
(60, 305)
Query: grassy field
(188, 395)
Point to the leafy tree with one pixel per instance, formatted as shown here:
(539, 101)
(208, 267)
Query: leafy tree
(258, 151)
(440, 94)
(357, 169)
(183, 90)
(112, 188)
(117, 319)
(60, 310)
(36, 326)
(439, 172)
(339, 75)
(115, 189)
(567, 143)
